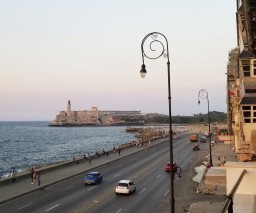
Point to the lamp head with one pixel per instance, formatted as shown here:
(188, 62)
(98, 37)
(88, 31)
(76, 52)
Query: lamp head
(143, 71)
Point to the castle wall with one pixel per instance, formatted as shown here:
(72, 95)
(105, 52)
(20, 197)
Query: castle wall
(93, 116)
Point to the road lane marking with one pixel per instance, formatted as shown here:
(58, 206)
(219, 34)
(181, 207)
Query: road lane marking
(165, 194)
(158, 176)
(91, 188)
(117, 175)
(69, 187)
(142, 190)
(119, 210)
(24, 206)
(52, 208)
(135, 165)
(93, 203)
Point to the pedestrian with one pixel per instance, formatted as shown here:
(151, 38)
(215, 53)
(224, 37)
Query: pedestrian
(38, 180)
(89, 158)
(34, 177)
(223, 162)
(119, 151)
(219, 163)
(31, 174)
(13, 176)
(107, 153)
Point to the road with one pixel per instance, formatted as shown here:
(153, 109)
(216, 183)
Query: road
(146, 169)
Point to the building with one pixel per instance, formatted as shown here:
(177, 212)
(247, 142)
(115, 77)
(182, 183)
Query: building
(94, 117)
(241, 82)
(241, 106)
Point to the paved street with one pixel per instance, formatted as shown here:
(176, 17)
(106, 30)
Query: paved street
(23, 185)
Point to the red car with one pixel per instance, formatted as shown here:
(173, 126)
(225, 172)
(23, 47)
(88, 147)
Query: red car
(168, 167)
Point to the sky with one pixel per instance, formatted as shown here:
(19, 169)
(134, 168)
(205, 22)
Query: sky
(89, 52)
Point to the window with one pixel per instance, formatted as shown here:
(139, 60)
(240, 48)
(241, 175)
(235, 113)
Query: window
(247, 120)
(249, 113)
(246, 107)
(246, 67)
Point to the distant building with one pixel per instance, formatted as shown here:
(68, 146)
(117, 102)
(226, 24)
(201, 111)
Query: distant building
(93, 117)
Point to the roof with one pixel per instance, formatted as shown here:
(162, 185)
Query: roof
(248, 100)
(124, 181)
(93, 173)
(246, 54)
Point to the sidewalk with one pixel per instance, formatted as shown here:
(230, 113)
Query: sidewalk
(57, 173)
(222, 150)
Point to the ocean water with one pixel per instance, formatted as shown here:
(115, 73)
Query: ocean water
(26, 144)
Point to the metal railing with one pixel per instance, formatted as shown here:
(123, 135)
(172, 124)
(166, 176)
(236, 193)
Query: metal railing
(228, 205)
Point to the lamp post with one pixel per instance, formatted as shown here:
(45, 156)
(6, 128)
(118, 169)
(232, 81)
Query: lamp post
(204, 95)
(158, 39)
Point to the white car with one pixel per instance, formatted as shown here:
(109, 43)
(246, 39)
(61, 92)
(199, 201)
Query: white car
(125, 187)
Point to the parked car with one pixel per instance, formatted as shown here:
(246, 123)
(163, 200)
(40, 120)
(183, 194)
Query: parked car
(125, 187)
(93, 178)
(203, 139)
(168, 167)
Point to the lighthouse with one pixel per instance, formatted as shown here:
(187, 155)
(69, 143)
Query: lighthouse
(69, 108)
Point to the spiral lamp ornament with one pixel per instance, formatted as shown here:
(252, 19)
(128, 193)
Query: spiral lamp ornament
(156, 48)
(203, 94)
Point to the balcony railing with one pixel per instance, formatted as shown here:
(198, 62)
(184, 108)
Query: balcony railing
(228, 205)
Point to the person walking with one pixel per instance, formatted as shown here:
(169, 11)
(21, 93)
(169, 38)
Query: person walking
(34, 177)
(31, 174)
(13, 176)
(38, 179)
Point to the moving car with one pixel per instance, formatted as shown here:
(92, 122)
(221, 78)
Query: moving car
(93, 178)
(196, 147)
(168, 167)
(125, 187)
(193, 137)
(203, 139)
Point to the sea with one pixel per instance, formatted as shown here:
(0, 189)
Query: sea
(34, 143)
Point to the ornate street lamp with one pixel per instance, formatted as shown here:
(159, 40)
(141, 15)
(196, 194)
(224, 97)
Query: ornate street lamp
(156, 39)
(204, 95)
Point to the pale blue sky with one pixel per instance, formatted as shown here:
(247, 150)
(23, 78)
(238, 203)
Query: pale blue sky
(89, 52)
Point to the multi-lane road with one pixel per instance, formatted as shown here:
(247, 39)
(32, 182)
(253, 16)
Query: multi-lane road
(146, 169)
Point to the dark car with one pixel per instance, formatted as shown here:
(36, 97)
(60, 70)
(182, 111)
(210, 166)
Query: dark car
(196, 147)
(168, 167)
(93, 178)
(203, 139)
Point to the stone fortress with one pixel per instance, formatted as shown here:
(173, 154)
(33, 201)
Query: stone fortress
(94, 117)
